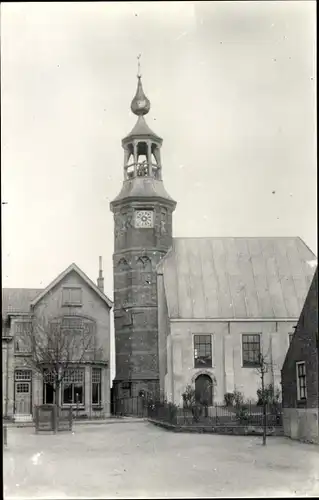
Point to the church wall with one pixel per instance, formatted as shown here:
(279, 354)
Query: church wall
(163, 332)
(227, 371)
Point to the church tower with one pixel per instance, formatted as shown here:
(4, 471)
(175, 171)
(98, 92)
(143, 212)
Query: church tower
(142, 236)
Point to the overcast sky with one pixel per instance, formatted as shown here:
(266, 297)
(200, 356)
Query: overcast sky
(232, 90)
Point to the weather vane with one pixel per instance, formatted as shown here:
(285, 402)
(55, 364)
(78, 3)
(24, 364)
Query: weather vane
(139, 66)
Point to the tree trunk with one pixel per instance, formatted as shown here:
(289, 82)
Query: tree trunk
(264, 408)
(57, 406)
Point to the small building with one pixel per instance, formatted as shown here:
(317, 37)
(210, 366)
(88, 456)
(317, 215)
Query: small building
(300, 374)
(75, 305)
(222, 302)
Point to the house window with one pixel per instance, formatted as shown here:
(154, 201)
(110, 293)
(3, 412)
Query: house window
(96, 386)
(251, 349)
(290, 337)
(301, 380)
(22, 342)
(71, 296)
(202, 351)
(73, 387)
(22, 375)
(48, 388)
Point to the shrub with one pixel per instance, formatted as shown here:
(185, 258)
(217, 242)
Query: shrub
(171, 411)
(196, 411)
(242, 414)
(229, 398)
(238, 398)
(189, 397)
(270, 395)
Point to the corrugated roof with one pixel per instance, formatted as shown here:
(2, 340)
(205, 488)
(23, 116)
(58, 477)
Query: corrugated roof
(16, 300)
(237, 277)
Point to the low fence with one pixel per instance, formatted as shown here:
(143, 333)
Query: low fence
(91, 413)
(217, 415)
(52, 418)
(136, 406)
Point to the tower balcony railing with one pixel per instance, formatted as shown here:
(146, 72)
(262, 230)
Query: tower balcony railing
(143, 169)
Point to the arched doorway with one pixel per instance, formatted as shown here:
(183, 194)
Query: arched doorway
(204, 390)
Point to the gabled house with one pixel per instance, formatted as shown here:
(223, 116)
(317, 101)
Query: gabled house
(74, 304)
(300, 373)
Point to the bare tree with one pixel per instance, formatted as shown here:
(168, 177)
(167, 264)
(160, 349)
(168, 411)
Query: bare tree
(262, 369)
(51, 348)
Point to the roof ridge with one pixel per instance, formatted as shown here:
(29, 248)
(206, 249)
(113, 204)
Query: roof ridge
(237, 237)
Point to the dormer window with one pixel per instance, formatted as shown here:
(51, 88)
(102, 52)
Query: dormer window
(71, 296)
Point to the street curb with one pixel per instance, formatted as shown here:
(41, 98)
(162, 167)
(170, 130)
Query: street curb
(221, 430)
(123, 420)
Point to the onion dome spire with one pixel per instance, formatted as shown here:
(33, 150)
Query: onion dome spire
(140, 104)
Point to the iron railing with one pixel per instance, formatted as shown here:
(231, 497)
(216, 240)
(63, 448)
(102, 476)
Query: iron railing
(217, 415)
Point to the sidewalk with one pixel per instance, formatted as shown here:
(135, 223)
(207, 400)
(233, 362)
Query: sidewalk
(110, 420)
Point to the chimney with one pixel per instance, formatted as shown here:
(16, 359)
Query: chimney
(100, 280)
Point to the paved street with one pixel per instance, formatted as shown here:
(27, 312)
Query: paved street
(137, 459)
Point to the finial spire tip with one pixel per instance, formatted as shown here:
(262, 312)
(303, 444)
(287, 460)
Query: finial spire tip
(139, 74)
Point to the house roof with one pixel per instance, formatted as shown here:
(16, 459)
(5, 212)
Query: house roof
(237, 278)
(86, 279)
(20, 300)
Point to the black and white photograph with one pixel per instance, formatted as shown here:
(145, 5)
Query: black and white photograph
(159, 249)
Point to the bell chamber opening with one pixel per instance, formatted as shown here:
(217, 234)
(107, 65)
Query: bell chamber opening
(142, 159)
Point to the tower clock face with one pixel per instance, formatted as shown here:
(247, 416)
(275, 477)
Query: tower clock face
(144, 218)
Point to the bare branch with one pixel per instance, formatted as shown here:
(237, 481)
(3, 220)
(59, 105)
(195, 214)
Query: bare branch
(57, 344)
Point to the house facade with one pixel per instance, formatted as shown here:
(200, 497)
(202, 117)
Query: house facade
(222, 302)
(75, 307)
(300, 374)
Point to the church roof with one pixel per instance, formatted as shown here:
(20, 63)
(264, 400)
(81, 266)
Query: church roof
(141, 129)
(143, 188)
(237, 278)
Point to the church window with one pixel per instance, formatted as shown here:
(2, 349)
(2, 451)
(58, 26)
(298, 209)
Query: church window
(251, 349)
(123, 265)
(290, 337)
(145, 263)
(301, 380)
(71, 296)
(202, 351)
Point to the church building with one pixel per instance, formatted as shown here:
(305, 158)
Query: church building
(194, 311)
